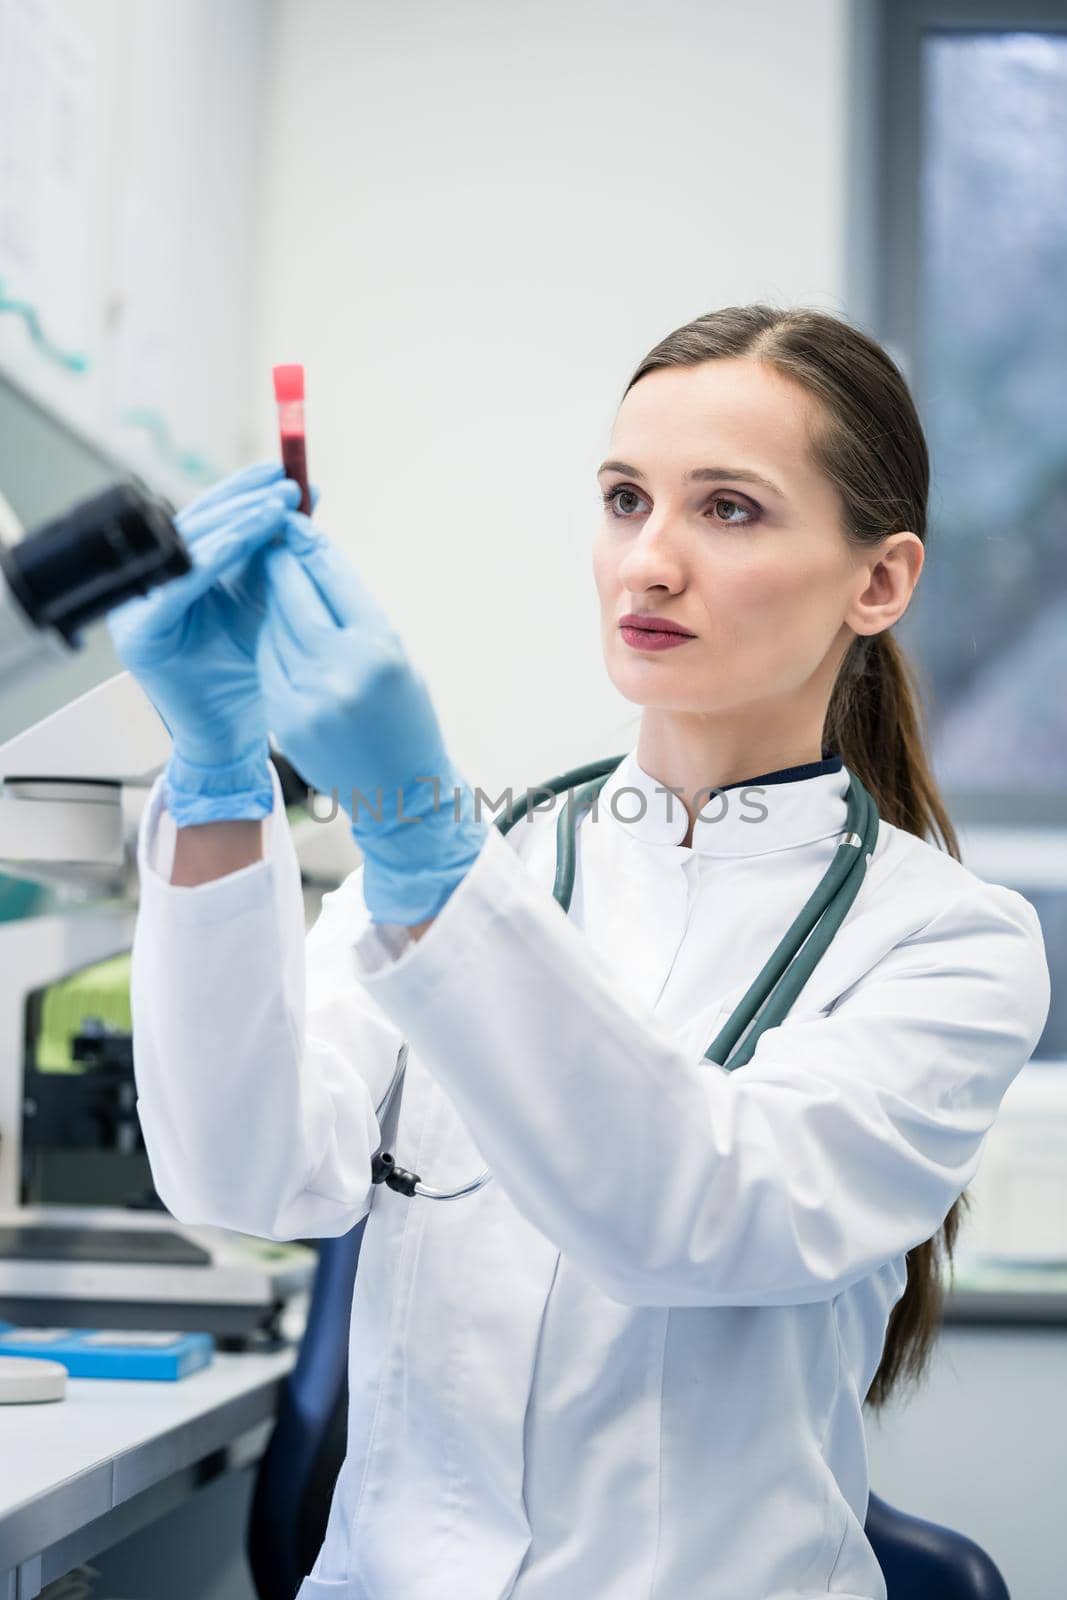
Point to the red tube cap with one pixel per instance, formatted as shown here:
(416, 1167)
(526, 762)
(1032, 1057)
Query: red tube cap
(288, 383)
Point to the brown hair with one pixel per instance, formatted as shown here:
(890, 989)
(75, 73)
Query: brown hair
(869, 442)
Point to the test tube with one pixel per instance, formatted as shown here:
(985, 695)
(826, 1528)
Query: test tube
(289, 393)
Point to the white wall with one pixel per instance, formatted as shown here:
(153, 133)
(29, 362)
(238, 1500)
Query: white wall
(477, 219)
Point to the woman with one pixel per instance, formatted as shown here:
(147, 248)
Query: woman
(634, 1364)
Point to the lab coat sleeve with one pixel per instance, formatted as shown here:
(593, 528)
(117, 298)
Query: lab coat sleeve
(259, 1059)
(840, 1144)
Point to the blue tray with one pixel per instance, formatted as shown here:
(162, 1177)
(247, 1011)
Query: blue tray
(110, 1352)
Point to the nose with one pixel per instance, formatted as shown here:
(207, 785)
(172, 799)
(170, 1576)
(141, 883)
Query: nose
(654, 557)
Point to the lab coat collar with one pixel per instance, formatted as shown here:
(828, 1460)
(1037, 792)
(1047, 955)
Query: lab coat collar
(774, 811)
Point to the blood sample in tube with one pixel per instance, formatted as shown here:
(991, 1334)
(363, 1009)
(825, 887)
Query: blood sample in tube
(289, 393)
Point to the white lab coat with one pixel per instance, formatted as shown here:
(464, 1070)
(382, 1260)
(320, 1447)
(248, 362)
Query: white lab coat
(632, 1366)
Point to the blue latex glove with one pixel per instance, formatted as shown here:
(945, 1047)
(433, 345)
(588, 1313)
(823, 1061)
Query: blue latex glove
(350, 711)
(191, 644)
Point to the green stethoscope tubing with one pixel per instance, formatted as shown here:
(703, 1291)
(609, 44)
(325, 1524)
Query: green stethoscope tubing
(767, 1000)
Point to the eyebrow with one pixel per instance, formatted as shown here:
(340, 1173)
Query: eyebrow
(698, 474)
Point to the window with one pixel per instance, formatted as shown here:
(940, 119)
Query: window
(966, 261)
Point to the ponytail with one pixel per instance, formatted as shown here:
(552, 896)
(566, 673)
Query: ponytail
(873, 723)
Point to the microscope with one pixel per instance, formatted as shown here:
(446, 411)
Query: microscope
(84, 1239)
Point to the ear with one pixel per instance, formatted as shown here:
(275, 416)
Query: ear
(891, 579)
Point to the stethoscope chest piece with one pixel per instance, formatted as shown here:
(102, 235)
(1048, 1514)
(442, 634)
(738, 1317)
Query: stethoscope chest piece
(383, 1166)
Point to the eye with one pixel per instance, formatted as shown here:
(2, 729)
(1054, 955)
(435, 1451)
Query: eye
(609, 498)
(751, 513)
(728, 500)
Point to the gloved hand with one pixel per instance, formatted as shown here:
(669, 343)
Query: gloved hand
(349, 710)
(191, 644)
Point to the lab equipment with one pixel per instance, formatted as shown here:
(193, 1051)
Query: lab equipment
(192, 648)
(158, 1354)
(764, 1004)
(71, 792)
(98, 1266)
(351, 712)
(30, 1379)
(64, 574)
(62, 783)
(289, 393)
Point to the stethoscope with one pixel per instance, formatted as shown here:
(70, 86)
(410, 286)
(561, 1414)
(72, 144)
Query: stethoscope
(764, 1004)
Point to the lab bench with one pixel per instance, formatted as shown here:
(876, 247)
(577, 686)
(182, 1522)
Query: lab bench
(80, 1474)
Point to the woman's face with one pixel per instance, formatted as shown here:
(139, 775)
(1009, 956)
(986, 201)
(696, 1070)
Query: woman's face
(761, 576)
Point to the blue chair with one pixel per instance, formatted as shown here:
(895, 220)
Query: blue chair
(920, 1560)
(296, 1476)
(925, 1561)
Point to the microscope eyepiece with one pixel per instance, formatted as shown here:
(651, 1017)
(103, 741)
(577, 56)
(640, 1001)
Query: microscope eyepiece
(104, 550)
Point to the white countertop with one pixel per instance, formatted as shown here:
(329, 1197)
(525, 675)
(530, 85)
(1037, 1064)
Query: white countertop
(64, 1463)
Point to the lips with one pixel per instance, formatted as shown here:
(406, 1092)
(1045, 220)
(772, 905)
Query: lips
(651, 624)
